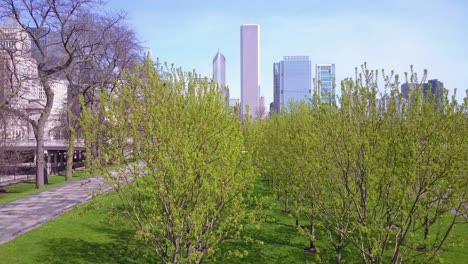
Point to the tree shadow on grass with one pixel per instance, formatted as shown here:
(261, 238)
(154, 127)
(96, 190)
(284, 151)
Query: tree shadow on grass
(280, 243)
(122, 248)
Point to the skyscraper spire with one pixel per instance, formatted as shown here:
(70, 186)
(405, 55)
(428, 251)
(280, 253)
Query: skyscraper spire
(219, 73)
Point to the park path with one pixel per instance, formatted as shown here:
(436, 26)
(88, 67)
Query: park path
(27, 213)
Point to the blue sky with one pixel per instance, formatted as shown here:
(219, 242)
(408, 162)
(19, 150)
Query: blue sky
(387, 35)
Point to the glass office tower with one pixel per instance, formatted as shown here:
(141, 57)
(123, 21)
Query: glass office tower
(325, 82)
(295, 80)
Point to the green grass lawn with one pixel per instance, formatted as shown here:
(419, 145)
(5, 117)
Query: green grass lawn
(18, 190)
(90, 234)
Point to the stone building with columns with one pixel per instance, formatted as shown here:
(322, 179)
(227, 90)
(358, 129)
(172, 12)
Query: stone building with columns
(22, 94)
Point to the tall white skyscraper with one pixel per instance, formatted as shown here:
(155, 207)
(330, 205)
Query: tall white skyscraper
(219, 73)
(250, 69)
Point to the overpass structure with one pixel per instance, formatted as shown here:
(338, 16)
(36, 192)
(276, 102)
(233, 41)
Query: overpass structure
(55, 156)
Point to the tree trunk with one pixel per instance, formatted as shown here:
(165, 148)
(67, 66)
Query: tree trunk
(426, 227)
(39, 130)
(312, 238)
(338, 255)
(339, 248)
(71, 142)
(396, 255)
(40, 161)
(189, 250)
(312, 249)
(70, 150)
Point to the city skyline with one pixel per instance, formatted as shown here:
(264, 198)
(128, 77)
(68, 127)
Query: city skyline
(345, 33)
(122, 149)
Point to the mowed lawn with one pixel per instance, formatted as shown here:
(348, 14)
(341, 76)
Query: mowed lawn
(91, 233)
(18, 190)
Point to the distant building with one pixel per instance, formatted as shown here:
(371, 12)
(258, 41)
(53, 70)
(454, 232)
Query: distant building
(405, 89)
(325, 82)
(219, 73)
(250, 69)
(276, 107)
(431, 88)
(14, 40)
(292, 81)
(234, 104)
(383, 103)
(262, 108)
(272, 109)
(22, 91)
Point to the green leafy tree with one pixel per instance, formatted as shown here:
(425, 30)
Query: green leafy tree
(380, 174)
(191, 176)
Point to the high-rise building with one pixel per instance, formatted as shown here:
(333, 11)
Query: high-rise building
(325, 82)
(431, 88)
(405, 88)
(292, 80)
(250, 69)
(272, 109)
(276, 88)
(262, 108)
(219, 73)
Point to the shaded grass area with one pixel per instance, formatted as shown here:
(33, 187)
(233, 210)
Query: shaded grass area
(92, 233)
(22, 189)
(85, 234)
(275, 240)
(455, 249)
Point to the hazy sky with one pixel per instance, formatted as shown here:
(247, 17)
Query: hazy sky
(429, 34)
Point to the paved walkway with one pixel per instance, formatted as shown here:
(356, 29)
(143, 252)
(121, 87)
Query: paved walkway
(24, 214)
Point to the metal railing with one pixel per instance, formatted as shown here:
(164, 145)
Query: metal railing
(47, 143)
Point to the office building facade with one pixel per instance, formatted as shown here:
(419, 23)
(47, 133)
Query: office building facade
(292, 80)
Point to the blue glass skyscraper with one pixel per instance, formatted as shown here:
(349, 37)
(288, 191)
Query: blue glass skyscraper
(292, 81)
